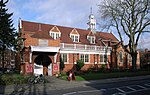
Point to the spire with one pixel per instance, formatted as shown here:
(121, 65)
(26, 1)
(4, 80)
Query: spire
(91, 10)
(20, 23)
(92, 22)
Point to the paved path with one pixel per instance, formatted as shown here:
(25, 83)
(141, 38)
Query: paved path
(58, 84)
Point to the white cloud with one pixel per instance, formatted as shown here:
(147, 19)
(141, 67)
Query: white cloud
(63, 12)
(13, 8)
(72, 13)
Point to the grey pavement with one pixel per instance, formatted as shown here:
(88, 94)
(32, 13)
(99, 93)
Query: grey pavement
(58, 84)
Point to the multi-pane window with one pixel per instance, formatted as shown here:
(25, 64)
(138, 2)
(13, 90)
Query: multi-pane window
(84, 57)
(52, 35)
(121, 57)
(43, 42)
(103, 59)
(55, 35)
(75, 38)
(72, 37)
(129, 58)
(91, 39)
(64, 57)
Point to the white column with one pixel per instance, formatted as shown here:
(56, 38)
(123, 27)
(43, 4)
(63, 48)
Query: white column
(55, 57)
(63, 45)
(85, 47)
(95, 48)
(30, 56)
(75, 46)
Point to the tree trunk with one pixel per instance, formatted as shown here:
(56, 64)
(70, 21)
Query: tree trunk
(18, 61)
(126, 61)
(3, 61)
(3, 58)
(134, 58)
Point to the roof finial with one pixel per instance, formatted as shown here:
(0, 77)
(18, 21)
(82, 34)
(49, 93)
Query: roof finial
(19, 23)
(91, 11)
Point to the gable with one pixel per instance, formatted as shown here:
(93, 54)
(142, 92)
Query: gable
(91, 34)
(74, 32)
(65, 33)
(55, 29)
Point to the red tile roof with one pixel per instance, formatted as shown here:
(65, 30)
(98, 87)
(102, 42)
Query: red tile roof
(42, 31)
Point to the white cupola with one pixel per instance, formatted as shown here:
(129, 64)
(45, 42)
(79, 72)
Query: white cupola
(92, 22)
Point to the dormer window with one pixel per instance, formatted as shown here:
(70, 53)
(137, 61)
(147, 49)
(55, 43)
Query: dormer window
(75, 38)
(91, 39)
(55, 32)
(74, 35)
(55, 35)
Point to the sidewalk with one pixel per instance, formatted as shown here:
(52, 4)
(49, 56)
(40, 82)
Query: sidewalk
(58, 84)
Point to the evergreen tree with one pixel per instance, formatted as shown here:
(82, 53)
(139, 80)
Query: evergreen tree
(7, 34)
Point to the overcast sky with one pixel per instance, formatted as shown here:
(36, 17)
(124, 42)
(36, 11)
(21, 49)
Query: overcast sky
(71, 13)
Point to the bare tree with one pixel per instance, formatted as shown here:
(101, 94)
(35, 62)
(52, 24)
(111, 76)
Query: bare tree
(130, 17)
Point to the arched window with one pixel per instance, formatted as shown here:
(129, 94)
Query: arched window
(120, 56)
(129, 58)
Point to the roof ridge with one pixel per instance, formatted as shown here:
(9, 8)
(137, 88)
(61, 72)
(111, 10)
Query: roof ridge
(55, 25)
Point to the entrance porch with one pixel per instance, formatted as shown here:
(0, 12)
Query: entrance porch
(43, 59)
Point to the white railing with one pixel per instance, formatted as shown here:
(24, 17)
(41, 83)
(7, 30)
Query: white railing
(64, 46)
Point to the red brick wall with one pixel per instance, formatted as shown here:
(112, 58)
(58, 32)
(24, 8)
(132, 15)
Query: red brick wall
(34, 41)
(30, 41)
(54, 42)
(87, 66)
(69, 65)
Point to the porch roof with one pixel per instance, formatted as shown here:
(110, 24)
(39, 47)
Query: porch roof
(44, 49)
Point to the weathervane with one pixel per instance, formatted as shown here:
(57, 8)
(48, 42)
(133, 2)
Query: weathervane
(91, 10)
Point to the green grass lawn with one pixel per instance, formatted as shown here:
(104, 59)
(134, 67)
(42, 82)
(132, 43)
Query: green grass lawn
(98, 76)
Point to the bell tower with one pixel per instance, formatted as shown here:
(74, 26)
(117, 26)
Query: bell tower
(92, 22)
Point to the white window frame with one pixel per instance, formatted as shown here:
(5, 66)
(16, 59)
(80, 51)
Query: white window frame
(91, 39)
(55, 35)
(129, 58)
(73, 37)
(62, 56)
(103, 56)
(120, 59)
(84, 58)
(42, 42)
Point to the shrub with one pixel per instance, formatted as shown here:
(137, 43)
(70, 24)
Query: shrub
(12, 78)
(103, 66)
(79, 65)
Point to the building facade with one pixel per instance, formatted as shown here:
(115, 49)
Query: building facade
(45, 45)
(9, 60)
(145, 58)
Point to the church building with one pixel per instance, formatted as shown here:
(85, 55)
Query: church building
(45, 45)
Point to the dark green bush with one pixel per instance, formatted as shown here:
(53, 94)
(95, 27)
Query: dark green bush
(79, 65)
(12, 78)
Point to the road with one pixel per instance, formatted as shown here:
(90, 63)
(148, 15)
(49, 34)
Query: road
(138, 87)
(130, 87)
